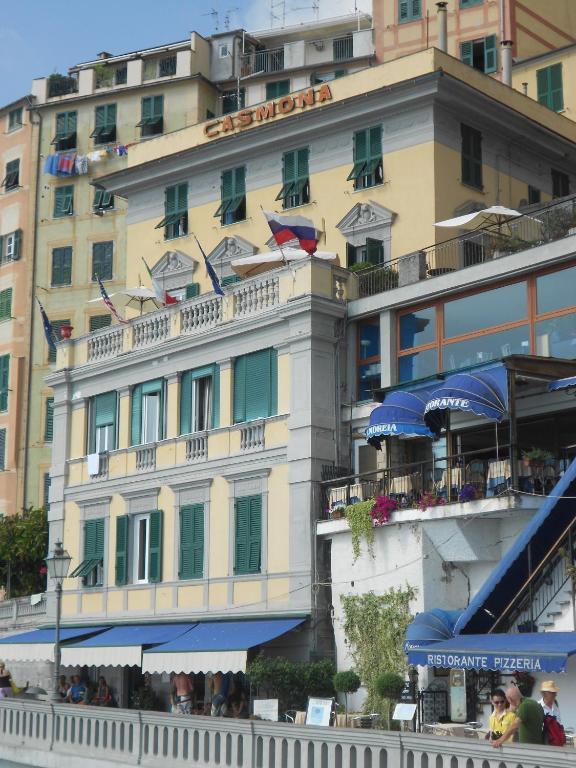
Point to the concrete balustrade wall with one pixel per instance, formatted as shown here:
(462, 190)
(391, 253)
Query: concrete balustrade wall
(57, 736)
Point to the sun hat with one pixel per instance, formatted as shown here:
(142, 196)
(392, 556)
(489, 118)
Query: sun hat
(548, 686)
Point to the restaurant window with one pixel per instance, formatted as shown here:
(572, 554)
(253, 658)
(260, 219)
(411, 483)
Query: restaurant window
(549, 87)
(139, 548)
(368, 358)
(91, 569)
(367, 170)
(256, 386)
(191, 565)
(556, 314)
(560, 183)
(199, 399)
(295, 179)
(248, 535)
(103, 414)
(471, 156)
(232, 206)
(480, 54)
(147, 414)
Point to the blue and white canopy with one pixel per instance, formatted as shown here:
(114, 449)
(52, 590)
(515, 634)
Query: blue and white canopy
(567, 383)
(401, 413)
(430, 627)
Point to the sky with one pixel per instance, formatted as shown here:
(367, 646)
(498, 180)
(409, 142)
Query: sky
(38, 37)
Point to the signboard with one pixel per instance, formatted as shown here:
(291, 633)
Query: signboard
(266, 709)
(319, 711)
(404, 712)
(497, 662)
(458, 710)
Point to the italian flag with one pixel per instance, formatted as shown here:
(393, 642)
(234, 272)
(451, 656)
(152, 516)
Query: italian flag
(162, 295)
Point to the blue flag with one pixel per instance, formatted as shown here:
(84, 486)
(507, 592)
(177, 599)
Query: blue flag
(211, 272)
(48, 330)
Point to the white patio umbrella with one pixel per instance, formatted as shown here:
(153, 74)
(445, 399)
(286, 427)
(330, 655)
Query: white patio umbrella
(137, 296)
(264, 262)
(496, 215)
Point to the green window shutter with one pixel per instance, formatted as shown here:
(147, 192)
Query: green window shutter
(62, 266)
(239, 181)
(374, 251)
(6, 304)
(192, 290)
(63, 201)
(4, 381)
(229, 280)
(102, 260)
(46, 491)
(186, 403)
(215, 396)
(155, 547)
(136, 415)
(103, 413)
(239, 389)
(17, 252)
(471, 156)
(248, 535)
(2, 449)
(276, 89)
(49, 420)
(361, 146)
(375, 143)
(258, 385)
(192, 542)
(403, 10)
(302, 171)
(146, 108)
(350, 255)
(466, 53)
(122, 525)
(227, 186)
(255, 535)
(99, 321)
(170, 200)
(289, 166)
(181, 198)
(94, 539)
(543, 86)
(273, 382)
(556, 88)
(490, 55)
(157, 106)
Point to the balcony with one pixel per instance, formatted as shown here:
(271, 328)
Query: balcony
(22, 612)
(261, 62)
(538, 226)
(60, 85)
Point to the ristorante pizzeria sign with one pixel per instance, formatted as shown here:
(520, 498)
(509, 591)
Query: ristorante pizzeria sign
(263, 112)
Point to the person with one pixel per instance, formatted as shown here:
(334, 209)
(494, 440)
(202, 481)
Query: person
(220, 686)
(77, 691)
(102, 696)
(528, 721)
(5, 682)
(182, 694)
(502, 716)
(63, 687)
(548, 700)
(237, 704)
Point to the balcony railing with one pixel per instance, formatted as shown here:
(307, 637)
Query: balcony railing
(459, 478)
(270, 60)
(61, 85)
(343, 48)
(537, 227)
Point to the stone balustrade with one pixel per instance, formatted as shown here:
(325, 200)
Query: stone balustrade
(201, 315)
(106, 344)
(150, 329)
(252, 436)
(146, 458)
(256, 296)
(197, 448)
(21, 611)
(46, 735)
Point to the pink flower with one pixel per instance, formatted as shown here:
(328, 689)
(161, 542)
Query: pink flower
(382, 509)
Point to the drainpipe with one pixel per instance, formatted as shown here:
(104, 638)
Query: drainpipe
(442, 26)
(506, 54)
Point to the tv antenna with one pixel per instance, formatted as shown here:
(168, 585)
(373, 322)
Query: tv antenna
(215, 18)
(278, 12)
(227, 16)
(314, 7)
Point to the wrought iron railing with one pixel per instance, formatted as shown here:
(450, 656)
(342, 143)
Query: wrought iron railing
(269, 60)
(61, 85)
(343, 48)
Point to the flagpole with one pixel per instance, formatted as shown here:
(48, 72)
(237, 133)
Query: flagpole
(284, 259)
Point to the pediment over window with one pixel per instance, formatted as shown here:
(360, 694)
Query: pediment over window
(174, 270)
(227, 250)
(364, 219)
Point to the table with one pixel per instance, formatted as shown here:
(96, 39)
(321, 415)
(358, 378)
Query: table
(499, 473)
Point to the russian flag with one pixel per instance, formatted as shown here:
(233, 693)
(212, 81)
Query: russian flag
(286, 228)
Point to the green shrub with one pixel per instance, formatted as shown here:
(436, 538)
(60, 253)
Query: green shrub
(292, 682)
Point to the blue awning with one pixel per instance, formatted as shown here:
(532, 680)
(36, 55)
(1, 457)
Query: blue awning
(567, 383)
(430, 627)
(529, 652)
(401, 413)
(214, 646)
(484, 393)
(38, 644)
(547, 525)
(121, 645)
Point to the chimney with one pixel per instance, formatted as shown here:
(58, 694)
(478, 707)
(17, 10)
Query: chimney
(442, 26)
(104, 55)
(506, 53)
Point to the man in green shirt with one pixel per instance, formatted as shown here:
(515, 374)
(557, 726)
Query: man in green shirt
(529, 719)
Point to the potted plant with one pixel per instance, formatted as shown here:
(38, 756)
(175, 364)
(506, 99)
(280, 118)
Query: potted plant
(382, 509)
(536, 457)
(389, 686)
(430, 499)
(337, 513)
(467, 493)
(346, 682)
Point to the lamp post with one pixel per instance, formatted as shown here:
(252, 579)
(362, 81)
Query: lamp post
(57, 565)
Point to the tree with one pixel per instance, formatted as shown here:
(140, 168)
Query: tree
(389, 686)
(23, 547)
(346, 682)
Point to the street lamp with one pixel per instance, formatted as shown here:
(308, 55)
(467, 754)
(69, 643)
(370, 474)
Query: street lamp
(57, 566)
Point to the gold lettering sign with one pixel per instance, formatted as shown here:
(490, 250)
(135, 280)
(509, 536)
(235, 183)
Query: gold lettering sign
(263, 112)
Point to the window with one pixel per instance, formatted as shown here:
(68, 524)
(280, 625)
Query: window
(15, 119)
(121, 75)
(295, 179)
(229, 280)
(471, 156)
(256, 385)
(343, 48)
(223, 50)
(4, 381)
(549, 87)
(147, 418)
(61, 266)
(175, 221)
(6, 304)
(65, 137)
(91, 569)
(63, 201)
(12, 175)
(409, 10)
(104, 124)
(10, 247)
(103, 414)
(468, 315)
(233, 196)
(139, 543)
(372, 252)
(367, 170)
(232, 101)
(191, 564)
(152, 119)
(2, 449)
(368, 357)
(167, 66)
(326, 77)
(103, 201)
(102, 255)
(560, 184)
(534, 195)
(248, 535)
(470, 3)
(480, 54)
(56, 325)
(47, 481)
(192, 290)
(276, 89)
(49, 420)
(199, 399)
(97, 322)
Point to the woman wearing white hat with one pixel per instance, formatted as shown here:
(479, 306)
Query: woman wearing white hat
(548, 701)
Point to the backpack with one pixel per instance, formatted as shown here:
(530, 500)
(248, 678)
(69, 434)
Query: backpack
(553, 732)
